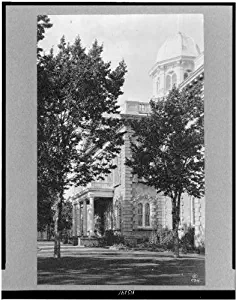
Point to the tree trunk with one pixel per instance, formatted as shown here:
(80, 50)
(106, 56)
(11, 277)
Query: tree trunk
(48, 232)
(176, 242)
(175, 221)
(57, 227)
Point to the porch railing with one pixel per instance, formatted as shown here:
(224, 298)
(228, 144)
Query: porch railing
(100, 185)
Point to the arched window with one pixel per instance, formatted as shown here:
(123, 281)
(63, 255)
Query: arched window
(117, 215)
(140, 214)
(118, 224)
(171, 80)
(158, 84)
(174, 79)
(147, 214)
(186, 74)
(141, 108)
(168, 82)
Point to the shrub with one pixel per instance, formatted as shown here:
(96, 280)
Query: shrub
(167, 240)
(143, 240)
(130, 242)
(200, 247)
(162, 238)
(110, 238)
(153, 239)
(187, 241)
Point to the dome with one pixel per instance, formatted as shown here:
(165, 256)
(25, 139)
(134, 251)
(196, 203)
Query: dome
(178, 45)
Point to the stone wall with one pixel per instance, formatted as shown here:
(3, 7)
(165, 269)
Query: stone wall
(128, 192)
(126, 186)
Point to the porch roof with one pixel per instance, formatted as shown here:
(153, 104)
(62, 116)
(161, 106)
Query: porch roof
(95, 190)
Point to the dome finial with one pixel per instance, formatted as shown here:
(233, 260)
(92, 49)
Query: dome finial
(179, 23)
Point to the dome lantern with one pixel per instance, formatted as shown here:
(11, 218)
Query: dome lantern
(176, 46)
(174, 62)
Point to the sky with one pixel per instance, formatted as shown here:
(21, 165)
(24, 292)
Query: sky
(134, 38)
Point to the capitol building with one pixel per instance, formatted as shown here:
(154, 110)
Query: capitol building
(121, 202)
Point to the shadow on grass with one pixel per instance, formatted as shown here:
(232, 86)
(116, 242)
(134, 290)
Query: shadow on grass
(102, 269)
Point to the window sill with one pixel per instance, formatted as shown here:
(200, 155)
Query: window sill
(144, 228)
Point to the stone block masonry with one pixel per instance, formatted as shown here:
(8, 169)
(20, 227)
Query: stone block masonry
(126, 174)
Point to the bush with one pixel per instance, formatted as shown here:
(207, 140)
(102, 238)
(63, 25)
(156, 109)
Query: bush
(161, 238)
(143, 240)
(200, 244)
(187, 241)
(153, 239)
(110, 238)
(130, 242)
(65, 237)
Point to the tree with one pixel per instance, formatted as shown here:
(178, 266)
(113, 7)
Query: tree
(44, 194)
(66, 217)
(167, 148)
(78, 127)
(43, 22)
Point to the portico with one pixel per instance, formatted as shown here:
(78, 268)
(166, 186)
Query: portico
(83, 210)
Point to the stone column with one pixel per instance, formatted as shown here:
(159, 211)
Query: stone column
(91, 216)
(79, 231)
(74, 228)
(162, 80)
(164, 208)
(180, 75)
(191, 211)
(85, 218)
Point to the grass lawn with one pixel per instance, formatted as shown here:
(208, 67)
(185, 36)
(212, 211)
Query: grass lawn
(98, 266)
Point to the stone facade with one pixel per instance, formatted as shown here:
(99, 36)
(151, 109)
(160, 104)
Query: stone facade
(122, 203)
(124, 198)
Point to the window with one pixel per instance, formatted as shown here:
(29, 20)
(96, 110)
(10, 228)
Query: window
(140, 214)
(118, 217)
(168, 82)
(186, 74)
(147, 214)
(171, 80)
(142, 108)
(174, 79)
(158, 84)
(144, 214)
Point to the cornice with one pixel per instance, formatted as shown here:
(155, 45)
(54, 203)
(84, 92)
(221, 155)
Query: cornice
(168, 61)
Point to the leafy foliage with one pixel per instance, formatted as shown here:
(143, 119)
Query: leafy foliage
(78, 127)
(168, 150)
(168, 146)
(45, 194)
(75, 89)
(67, 215)
(187, 241)
(43, 22)
(110, 238)
(44, 211)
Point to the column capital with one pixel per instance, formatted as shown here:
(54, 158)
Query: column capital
(91, 195)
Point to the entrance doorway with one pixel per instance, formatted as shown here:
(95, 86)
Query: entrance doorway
(103, 215)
